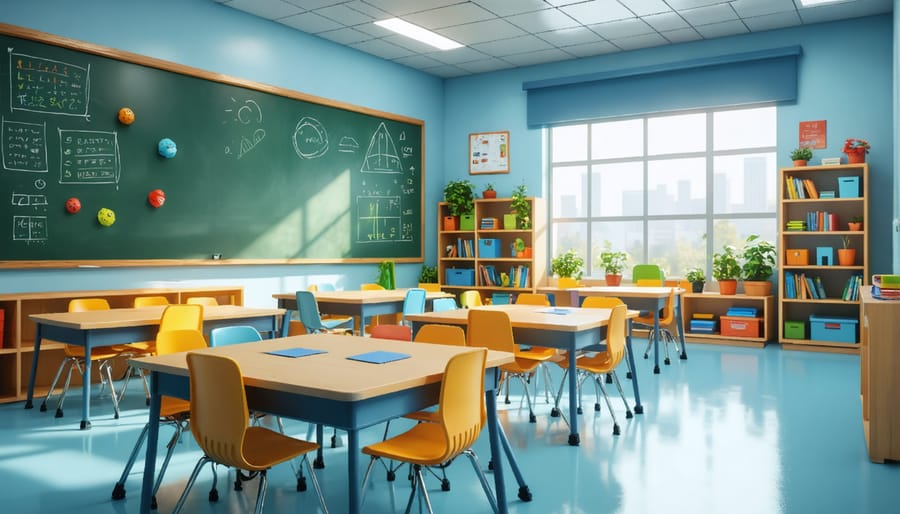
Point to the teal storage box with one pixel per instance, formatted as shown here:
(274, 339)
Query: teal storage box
(500, 298)
(794, 330)
(488, 248)
(848, 187)
(459, 277)
(833, 328)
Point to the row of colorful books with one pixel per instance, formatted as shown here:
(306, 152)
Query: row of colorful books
(851, 288)
(798, 188)
(799, 286)
(821, 221)
(518, 276)
(463, 248)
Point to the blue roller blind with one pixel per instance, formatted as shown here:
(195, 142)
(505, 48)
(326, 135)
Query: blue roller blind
(737, 79)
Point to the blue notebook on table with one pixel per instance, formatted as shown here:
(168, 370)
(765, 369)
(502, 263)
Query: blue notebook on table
(379, 357)
(555, 310)
(295, 352)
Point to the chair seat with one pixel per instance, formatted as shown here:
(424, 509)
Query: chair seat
(173, 407)
(264, 448)
(521, 366)
(538, 353)
(599, 363)
(98, 353)
(425, 416)
(415, 446)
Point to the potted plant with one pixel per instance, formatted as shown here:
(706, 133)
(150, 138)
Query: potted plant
(726, 269)
(801, 156)
(612, 262)
(489, 191)
(568, 266)
(521, 206)
(856, 150)
(846, 255)
(520, 250)
(460, 202)
(758, 265)
(428, 279)
(855, 223)
(697, 277)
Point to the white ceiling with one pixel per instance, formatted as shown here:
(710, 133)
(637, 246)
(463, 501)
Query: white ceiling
(500, 34)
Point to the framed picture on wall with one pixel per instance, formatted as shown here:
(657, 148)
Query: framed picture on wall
(488, 153)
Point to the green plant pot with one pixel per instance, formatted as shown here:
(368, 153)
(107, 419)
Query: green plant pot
(467, 222)
(509, 221)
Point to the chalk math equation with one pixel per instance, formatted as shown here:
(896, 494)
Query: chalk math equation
(48, 86)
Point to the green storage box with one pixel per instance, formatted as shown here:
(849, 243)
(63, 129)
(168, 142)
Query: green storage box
(794, 330)
(467, 222)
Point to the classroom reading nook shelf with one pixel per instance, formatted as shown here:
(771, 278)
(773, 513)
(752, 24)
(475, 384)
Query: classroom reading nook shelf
(261, 174)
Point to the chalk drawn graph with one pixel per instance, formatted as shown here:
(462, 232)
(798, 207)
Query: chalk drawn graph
(382, 156)
(38, 84)
(24, 146)
(379, 220)
(29, 228)
(245, 116)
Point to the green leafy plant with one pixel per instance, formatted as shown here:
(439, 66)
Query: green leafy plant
(613, 262)
(429, 274)
(459, 197)
(519, 244)
(845, 242)
(520, 204)
(758, 257)
(695, 274)
(567, 265)
(801, 154)
(386, 274)
(856, 219)
(725, 264)
(489, 187)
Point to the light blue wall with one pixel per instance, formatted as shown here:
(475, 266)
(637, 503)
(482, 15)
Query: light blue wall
(845, 78)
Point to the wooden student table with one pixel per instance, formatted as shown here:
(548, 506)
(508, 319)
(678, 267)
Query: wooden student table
(91, 329)
(364, 304)
(651, 299)
(571, 330)
(328, 389)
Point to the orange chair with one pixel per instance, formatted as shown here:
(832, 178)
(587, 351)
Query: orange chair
(149, 301)
(540, 352)
(398, 332)
(666, 320)
(441, 334)
(208, 301)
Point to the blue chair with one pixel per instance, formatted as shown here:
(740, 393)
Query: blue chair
(236, 334)
(308, 309)
(443, 304)
(414, 303)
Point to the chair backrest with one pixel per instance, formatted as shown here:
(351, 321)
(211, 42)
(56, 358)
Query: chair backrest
(308, 309)
(601, 302)
(491, 330)
(219, 416)
(149, 301)
(648, 282)
(182, 316)
(235, 334)
(668, 313)
(183, 340)
(414, 302)
(430, 287)
(88, 304)
(532, 299)
(208, 301)
(615, 334)
(371, 287)
(651, 271)
(441, 334)
(443, 304)
(469, 299)
(461, 409)
(398, 332)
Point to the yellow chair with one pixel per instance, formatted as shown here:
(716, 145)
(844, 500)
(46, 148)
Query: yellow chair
(220, 424)
(441, 334)
(469, 299)
(430, 287)
(601, 363)
(459, 420)
(182, 317)
(75, 359)
(208, 301)
(666, 320)
(492, 330)
(649, 282)
(543, 353)
(172, 411)
(149, 301)
(371, 287)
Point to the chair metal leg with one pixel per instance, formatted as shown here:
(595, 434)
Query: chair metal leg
(315, 483)
(261, 492)
(193, 478)
(66, 362)
(628, 413)
(112, 390)
(531, 417)
(599, 382)
(481, 478)
(62, 395)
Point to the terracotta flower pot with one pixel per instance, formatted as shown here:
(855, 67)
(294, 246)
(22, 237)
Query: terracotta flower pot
(799, 163)
(757, 287)
(846, 256)
(613, 280)
(727, 287)
(854, 225)
(489, 193)
(856, 157)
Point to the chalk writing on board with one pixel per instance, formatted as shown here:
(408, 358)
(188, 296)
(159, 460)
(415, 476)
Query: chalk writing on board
(29, 228)
(310, 138)
(382, 156)
(246, 116)
(24, 146)
(48, 86)
(27, 200)
(379, 220)
(348, 145)
(88, 157)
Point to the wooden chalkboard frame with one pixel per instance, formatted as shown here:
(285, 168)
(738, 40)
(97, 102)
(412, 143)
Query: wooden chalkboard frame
(128, 57)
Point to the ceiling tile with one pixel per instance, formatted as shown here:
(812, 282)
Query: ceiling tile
(314, 4)
(666, 21)
(591, 49)
(344, 36)
(381, 49)
(419, 62)
(509, 7)
(515, 45)
(568, 37)
(539, 57)
(459, 55)
(681, 35)
(484, 65)
(646, 7)
(409, 43)
(344, 15)
(447, 71)
(748, 8)
(679, 5)
(310, 22)
(709, 15)
(642, 41)
(772, 21)
(269, 9)
(542, 21)
(595, 11)
(622, 28)
(482, 31)
(365, 8)
(724, 29)
(401, 7)
(449, 16)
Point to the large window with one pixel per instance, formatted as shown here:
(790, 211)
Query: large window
(657, 187)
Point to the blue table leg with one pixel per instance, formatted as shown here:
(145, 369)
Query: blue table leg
(152, 441)
(286, 322)
(680, 320)
(34, 365)
(638, 408)
(496, 454)
(524, 491)
(353, 470)
(86, 385)
(574, 438)
(656, 340)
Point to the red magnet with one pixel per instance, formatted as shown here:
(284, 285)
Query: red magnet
(157, 197)
(73, 205)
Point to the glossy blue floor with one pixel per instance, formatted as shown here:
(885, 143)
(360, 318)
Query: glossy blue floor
(730, 430)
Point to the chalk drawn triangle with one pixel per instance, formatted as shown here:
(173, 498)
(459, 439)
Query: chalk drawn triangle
(382, 156)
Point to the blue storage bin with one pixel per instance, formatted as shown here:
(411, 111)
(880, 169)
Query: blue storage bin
(848, 187)
(488, 248)
(459, 277)
(833, 328)
(500, 298)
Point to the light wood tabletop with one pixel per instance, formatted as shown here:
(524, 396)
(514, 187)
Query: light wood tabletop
(115, 318)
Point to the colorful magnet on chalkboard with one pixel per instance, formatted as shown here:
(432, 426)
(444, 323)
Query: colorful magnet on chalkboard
(157, 197)
(106, 217)
(73, 205)
(166, 148)
(126, 116)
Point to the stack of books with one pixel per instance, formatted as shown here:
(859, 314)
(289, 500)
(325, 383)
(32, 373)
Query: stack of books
(796, 225)
(799, 286)
(703, 323)
(745, 312)
(886, 287)
(489, 223)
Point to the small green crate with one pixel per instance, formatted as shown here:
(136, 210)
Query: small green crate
(794, 330)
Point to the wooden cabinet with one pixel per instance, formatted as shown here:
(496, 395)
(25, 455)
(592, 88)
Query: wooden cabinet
(718, 305)
(879, 380)
(18, 330)
(474, 253)
(810, 251)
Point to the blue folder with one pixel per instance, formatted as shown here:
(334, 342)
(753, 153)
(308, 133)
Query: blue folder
(379, 357)
(295, 352)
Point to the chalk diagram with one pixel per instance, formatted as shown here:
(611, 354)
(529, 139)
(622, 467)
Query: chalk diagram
(48, 86)
(378, 220)
(245, 116)
(348, 145)
(32, 227)
(382, 155)
(310, 138)
(88, 157)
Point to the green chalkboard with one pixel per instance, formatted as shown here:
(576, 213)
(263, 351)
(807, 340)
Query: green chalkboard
(261, 174)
